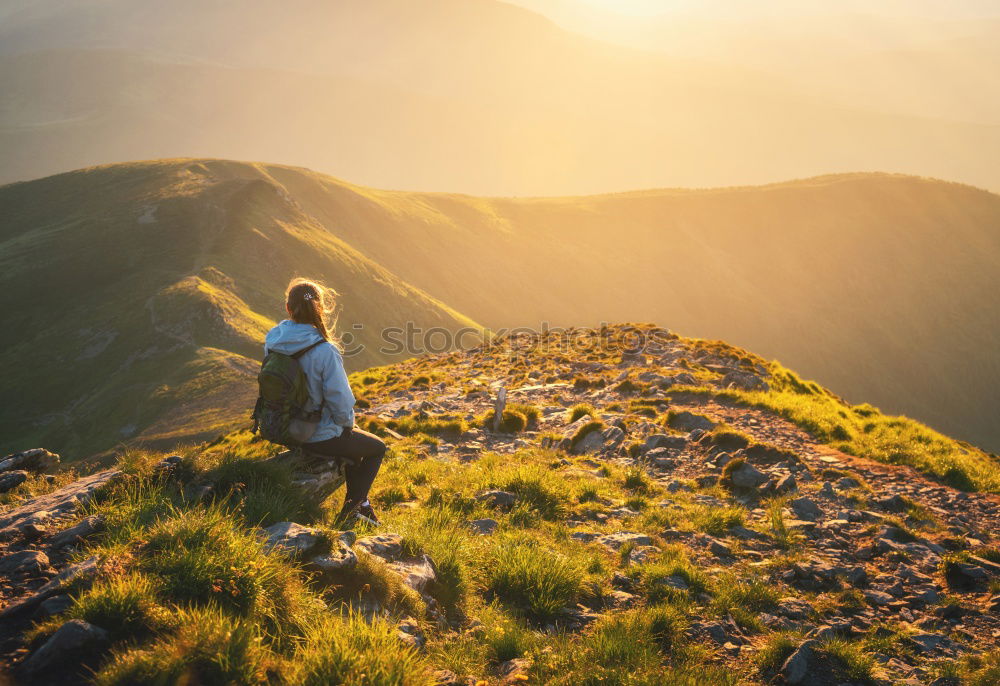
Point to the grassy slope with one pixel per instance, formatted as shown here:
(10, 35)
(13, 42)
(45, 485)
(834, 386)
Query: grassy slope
(138, 297)
(186, 587)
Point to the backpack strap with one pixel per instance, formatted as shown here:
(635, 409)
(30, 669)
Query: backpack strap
(306, 349)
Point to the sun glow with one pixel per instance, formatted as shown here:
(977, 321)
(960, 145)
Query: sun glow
(639, 8)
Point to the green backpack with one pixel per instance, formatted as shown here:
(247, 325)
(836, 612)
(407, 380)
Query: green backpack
(279, 414)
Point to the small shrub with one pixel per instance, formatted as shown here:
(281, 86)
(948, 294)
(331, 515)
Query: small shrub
(580, 410)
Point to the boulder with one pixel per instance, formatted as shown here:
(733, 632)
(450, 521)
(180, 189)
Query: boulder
(796, 667)
(340, 559)
(293, 539)
(61, 502)
(11, 480)
(73, 642)
(387, 546)
(33, 460)
(418, 575)
(747, 476)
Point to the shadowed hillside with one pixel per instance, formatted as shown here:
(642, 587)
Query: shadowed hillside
(881, 287)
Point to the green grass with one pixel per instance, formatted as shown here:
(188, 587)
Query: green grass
(864, 431)
(530, 578)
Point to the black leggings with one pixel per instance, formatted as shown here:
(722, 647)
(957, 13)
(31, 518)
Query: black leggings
(361, 454)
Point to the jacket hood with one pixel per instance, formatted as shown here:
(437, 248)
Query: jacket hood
(289, 337)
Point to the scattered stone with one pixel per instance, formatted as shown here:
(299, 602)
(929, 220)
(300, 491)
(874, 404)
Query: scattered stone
(24, 562)
(893, 503)
(484, 526)
(293, 539)
(878, 598)
(72, 642)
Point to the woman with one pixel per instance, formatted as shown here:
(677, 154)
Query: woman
(308, 304)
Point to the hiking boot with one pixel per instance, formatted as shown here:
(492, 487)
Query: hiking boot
(360, 512)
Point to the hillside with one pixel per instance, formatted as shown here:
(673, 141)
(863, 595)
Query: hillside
(881, 287)
(651, 510)
(137, 298)
(428, 95)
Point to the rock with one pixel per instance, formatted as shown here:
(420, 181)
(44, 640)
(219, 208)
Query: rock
(929, 642)
(583, 536)
(410, 634)
(786, 484)
(498, 499)
(387, 546)
(796, 667)
(964, 575)
(24, 562)
(719, 549)
(515, 671)
(747, 476)
(484, 526)
(893, 503)
(643, 553)
(11, 480)
(82, 572)
(53, 606)
(340, 559)
(672, 581)
(446, 677)
(805, 508)
(674, 486)
(293, 539)
(793, 608)
(616, 540)
(33, 460)
(318, 475)
(879, 598)
(61, 502)
(990, 567)
(689, 421)
(417, 575)
(84, 529)
(72, 642)
(743, 381)
(670, 443)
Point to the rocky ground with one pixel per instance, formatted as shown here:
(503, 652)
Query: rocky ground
(874, 573)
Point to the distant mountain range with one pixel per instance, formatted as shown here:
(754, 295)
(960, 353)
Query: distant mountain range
(136, 295)
(429, 95)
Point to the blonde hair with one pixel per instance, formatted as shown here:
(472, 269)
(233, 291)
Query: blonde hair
(310, 302)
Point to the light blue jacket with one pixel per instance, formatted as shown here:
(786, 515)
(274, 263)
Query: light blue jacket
(324, 369)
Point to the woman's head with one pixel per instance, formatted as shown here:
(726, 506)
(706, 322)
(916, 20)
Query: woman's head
(310, 302)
